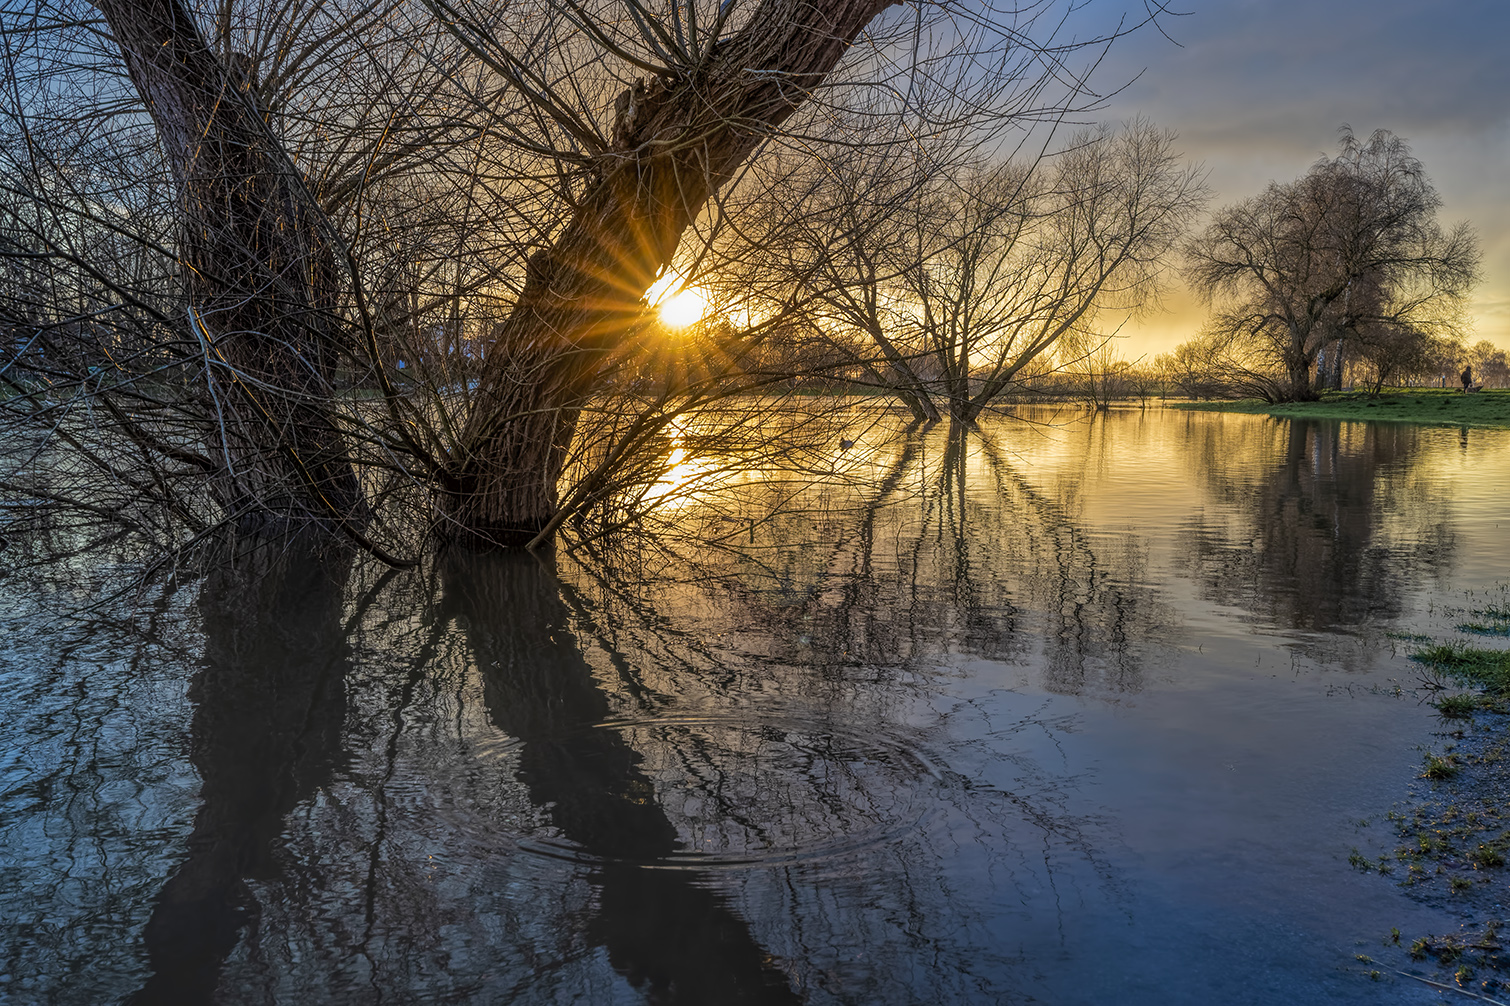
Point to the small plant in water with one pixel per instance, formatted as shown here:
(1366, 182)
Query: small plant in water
(1457, 707)
(1487, 857)
(1495, 615)
(1438, 767)
(1429, 842)
(1489, 669)
(1466, 952)
(1485, 628)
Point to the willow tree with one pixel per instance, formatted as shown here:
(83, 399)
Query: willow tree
(963, 277)
(258, 271)
(1353, 246)
(695, 90)
(361, 188)
(182, 313)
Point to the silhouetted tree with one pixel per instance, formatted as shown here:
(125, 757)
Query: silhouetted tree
(1354, 243)
(965, 276)
(452, 207)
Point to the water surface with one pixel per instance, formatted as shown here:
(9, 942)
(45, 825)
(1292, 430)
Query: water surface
(1075, 712)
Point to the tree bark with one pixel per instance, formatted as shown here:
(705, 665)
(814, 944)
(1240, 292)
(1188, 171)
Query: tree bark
(258, 274)
(1300, 382)
(676, 141)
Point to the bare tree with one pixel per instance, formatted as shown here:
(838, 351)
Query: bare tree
(964, 276)
(1392, 351)
(1216, 364)
(1096, 369)
(259, 275)
(723, 81)
(1352, 244)
(1489, 363)
(404, 263)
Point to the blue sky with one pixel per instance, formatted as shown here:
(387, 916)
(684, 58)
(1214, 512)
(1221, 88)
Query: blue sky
(1258, 88)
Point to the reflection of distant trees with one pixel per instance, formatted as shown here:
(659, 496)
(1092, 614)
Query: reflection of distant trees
(492, 785)
(772, 736)
(1101, 612)
(950, 550)
(544, 780)
(730, 779)
(1303, 536)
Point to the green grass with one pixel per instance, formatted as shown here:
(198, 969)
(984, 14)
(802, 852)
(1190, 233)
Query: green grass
(1431, 406)
(1458, 707)
(1470, 665)
(1497, 621)
(1437, 767)
(1487, 857)
(1486, 628)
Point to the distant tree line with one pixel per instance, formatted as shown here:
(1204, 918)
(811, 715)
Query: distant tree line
(1203, 368)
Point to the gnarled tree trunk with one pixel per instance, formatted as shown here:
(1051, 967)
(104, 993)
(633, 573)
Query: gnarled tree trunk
(258, 274)
(675, 143)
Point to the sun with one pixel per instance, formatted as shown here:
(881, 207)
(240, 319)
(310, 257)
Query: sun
(678, 307)
(683, 309)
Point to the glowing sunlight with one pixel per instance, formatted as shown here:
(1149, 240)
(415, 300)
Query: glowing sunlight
(679, 307)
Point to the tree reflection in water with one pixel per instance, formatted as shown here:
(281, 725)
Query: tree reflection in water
(948, 551)
(468, 786)
(663, 929)
(270, 705)
(1330, 530)
(711, 768)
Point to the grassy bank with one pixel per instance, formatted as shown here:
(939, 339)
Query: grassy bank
(1431, 406)
(1452, 836)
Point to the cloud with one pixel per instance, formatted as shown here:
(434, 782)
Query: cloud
(1245, 66)
(1258, 88)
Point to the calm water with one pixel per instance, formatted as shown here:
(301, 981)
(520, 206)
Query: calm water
(1076, 714)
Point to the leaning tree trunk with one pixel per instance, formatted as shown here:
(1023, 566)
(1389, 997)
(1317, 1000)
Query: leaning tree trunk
(258, 275)
(675, 143)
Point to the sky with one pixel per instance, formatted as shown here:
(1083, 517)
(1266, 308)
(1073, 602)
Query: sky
(1257, 90)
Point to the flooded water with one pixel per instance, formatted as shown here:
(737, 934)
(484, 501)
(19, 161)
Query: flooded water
(1078, 713)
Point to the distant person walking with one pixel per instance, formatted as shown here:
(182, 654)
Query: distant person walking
(1467, 377)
